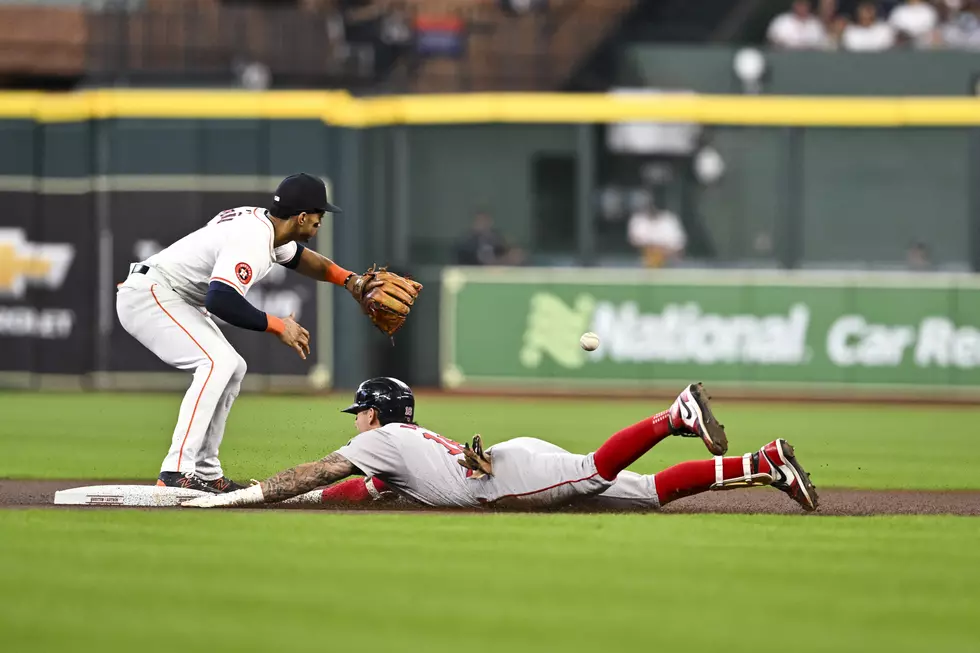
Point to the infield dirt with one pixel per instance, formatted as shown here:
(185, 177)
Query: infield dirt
(16, 493)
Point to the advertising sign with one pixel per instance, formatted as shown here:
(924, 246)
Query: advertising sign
(521, 327)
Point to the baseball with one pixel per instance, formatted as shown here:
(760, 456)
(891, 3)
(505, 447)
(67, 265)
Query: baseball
(589, 341)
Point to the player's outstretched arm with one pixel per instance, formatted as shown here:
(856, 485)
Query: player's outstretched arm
(388, 307)
(317, 266)
(306, 477)
(284, 485)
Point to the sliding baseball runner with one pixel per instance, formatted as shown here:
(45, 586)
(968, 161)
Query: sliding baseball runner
(399, 455)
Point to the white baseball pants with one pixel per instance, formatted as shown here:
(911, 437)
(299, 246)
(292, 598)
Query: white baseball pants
(536, 473)
(184, 337)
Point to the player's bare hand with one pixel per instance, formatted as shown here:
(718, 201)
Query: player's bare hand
(295, 336)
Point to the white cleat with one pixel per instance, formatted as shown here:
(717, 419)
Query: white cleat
(691, 417)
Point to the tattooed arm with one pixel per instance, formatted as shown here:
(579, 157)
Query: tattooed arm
(306, 477)
(284, 485)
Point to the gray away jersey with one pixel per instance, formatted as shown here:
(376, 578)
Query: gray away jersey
(417, 462)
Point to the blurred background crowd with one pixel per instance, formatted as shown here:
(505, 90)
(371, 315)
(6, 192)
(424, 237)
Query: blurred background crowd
(657, 195)
(877, 26)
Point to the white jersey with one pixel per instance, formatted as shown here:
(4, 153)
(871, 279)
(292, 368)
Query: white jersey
(417, 462)
(234, 247)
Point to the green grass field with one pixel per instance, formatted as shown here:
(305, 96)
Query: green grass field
(127, 435)
(121, 580)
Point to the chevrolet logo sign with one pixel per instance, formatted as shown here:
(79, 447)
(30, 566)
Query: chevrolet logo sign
(38, 264)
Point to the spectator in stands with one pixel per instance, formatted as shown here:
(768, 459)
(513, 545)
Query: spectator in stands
(835, 32)
(657, 233)
(377, 32)
(868, 34)
(917, 257)
(915, 21)
(484, 245)
(797, 29)
(962, 31)
(522, 7)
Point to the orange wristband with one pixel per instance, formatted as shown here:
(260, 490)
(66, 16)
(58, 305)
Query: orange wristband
(276, 325)
(337, 275)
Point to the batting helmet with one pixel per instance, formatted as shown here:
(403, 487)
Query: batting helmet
(392, 399)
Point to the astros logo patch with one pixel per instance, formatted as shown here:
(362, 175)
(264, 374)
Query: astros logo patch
(244, 272)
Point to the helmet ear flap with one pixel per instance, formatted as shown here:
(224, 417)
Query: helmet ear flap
(402, 413)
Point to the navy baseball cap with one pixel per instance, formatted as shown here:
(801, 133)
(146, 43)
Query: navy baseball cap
(301, 193)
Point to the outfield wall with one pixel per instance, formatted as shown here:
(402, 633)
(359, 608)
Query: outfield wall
(83, 200)
(92, 181)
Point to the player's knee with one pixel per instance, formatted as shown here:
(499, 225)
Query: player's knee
(227, 366)
(240, 368)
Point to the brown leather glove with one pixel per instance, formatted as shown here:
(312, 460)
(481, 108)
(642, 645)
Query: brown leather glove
(387, 298)
(474, 458)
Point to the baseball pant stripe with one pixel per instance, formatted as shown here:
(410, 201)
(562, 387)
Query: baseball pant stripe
(180, 456)
(629, 490)
(550, 487)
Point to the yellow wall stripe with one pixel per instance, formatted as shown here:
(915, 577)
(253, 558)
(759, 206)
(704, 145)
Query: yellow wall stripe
(339, 108)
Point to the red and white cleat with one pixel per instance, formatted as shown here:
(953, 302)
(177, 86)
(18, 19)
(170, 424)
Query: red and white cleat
(787, 474)
(691, 417)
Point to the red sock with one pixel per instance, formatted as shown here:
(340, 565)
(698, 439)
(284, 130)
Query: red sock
(624, 447)
(694, 477)
(353, 490)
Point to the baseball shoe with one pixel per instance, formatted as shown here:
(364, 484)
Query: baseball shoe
(787, 474)
(691, 417)
(223, 485)
(188, 481)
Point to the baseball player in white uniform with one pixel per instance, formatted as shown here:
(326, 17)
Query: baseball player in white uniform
(524, 472)
(167, 300)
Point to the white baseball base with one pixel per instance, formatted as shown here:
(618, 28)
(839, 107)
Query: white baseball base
(146, 496)
(141, 496)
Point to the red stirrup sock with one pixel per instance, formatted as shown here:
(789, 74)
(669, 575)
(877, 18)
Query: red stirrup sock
(624, 447)
(694, 477)
(353, 490)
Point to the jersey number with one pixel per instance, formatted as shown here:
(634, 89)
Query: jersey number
(454, 448)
